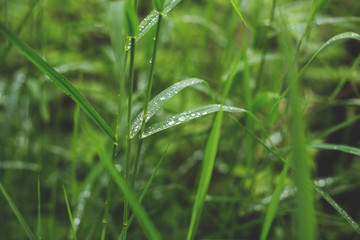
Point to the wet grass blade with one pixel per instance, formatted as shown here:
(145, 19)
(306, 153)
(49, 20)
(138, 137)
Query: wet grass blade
(17, 213)
(151, 19)
(59, 81)
(187, 116)
(337, 147)
(159, 100)
(69, 213)
(338, 208)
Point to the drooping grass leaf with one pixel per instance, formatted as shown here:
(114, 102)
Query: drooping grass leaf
(17, 213)
(59, 81)
(38, 230)
(206, 172)
(187, 116)
(151, 19)
(337, 147)
(69, 213)
(160, 99)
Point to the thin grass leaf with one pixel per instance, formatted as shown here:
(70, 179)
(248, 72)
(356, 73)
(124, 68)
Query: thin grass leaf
(59, 81)
(38, 230)
(158, 5)
(338, 208)
(17, 213)
(239, 13)
(69, 213)
(129, 195)
(187, 116)
(206, 172)
(335, 39)
(146, 188)
(337, 147)
(160, 99)
(275, 199)
(151, 19)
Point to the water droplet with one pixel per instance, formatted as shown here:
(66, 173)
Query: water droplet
(172, 122)
(162, 98)
(182, 118)
(150, 61)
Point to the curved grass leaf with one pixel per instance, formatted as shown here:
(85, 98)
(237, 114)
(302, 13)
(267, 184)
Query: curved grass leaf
(187, 116)
(337, 147)
(17, 213)
(59, 81)
(151, 19)
(160, 99)
(131, 21)
(341, 36)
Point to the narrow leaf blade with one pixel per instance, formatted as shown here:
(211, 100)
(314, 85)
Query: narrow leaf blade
(59, 81)
(187, 116)
(17, 213)
(337, 147)
(160, 99)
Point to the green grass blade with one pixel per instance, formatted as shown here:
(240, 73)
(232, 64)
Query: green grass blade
(69, 213)
(135, 205)
(206, 172)
(187, 116)
(17, 213)
(59, 81)
(151, 19)
(339, 209)
(160, 99)
(335, 39)
(239, 13)
(146, 188)
(38, 230)
(275, 199)
(337, 147)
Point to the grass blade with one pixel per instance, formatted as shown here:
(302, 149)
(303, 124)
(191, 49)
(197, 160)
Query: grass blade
(135, 205)
(151, 19)
(337, 147)
(339, 209)
(69, 212)
(38, 231)
(160, 99)
(146, 188)
(206, 172)
(187, 116)
(339, 37)
(17, 213)
(59, 81)
(275, 199)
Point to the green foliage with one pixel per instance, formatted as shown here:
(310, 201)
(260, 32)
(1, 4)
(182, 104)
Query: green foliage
(255, 102)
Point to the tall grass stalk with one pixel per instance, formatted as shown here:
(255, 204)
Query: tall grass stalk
(70, 214)
(304, 218)
(147, 99)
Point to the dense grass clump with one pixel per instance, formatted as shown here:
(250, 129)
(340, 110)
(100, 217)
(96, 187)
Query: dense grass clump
(179, 119)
